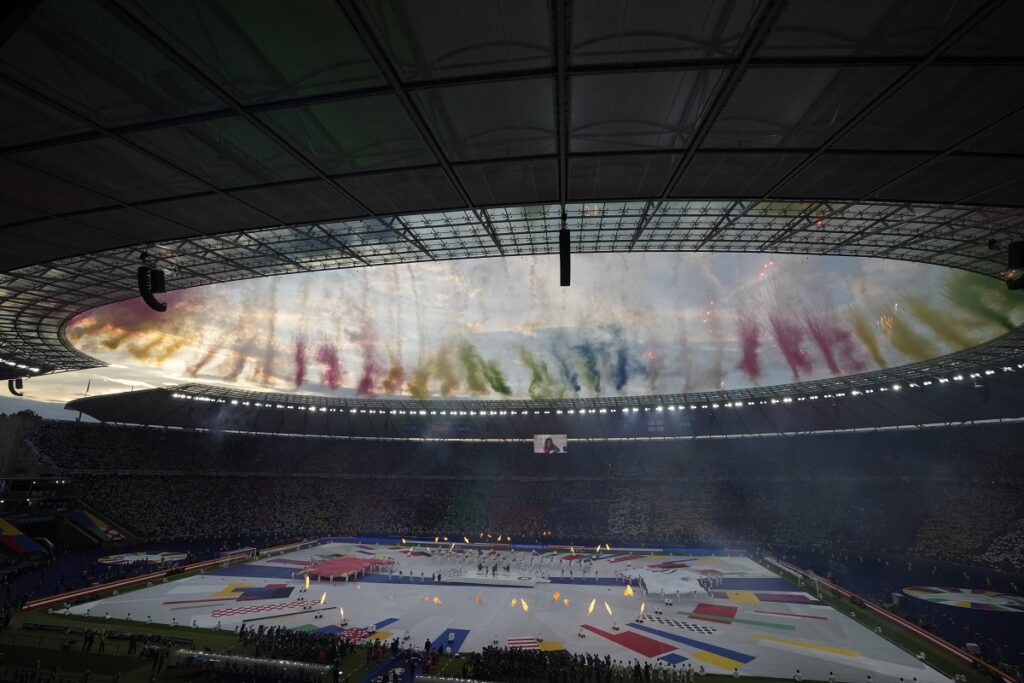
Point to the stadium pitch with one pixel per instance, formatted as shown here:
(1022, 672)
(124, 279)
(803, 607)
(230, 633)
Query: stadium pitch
(718, 613)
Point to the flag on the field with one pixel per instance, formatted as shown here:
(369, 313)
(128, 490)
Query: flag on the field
(523, 643)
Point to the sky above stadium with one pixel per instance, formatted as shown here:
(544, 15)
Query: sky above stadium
(496, 328)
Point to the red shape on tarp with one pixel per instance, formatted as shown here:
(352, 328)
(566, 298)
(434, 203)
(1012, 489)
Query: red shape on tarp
(648, 647)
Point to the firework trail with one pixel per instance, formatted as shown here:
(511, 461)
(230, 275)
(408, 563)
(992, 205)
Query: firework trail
(864, 331)
(331, 372)
(789, 336)
(948, 330)
(750, 342)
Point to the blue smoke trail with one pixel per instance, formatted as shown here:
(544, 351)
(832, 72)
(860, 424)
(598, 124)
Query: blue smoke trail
(565, 370)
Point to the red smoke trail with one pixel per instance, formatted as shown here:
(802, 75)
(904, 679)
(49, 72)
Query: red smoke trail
(788, 337)
(833, 340)
(327, 356)
(370, 368)
(300, 361)
(750, 342)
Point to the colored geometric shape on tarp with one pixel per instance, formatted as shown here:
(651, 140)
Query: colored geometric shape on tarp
(717, 660)
(523, 643)
(742, 596)
(304, 628)
(333, 629)
(365, 547)
(571, 558)
(550, 646)
(626, 558)
(294, 563)
(272, 591)
(642, 645)
(720, 611)
(746, 622)
(739, 657)
(792, 614)
(456, 643)
(385, 622)
(846, 652)
(380, 635)
(671, 564)
(228, 591)
(673, 658)
(747, 583)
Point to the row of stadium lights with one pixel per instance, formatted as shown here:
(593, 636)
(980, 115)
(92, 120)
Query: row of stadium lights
(20, 366)
(591, 411)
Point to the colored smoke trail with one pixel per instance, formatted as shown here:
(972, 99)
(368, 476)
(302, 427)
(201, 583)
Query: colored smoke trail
(909, 341)
(264, 373)
(472, 367)
(834, 342)
(300, 361)
(496, 378)
(148, 336)
(945, 328)
(331, 372)
(589, 368)
(444, 370)
(542, 384)
(865, 332)
(981, 297)
(750, 341)
(565, 370)
(394, 377)
(418, 386)
(789, 336)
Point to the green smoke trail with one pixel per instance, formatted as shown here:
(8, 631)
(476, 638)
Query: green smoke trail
(980, 297)
(496, 378)
(944, 327)
(865, 332)
(469, 359)
(542, 384)
(909, 341)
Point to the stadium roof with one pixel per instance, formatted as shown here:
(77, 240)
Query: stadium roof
(243, 140)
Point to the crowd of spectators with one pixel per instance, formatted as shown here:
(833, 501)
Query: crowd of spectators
(948, 494)
(514, 664)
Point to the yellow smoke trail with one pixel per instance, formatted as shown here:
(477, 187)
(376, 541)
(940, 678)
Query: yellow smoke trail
(909, 341)
(945, 328)
(865, 333)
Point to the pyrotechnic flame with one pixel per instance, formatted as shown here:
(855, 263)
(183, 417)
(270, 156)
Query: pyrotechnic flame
(478, 600)
(323, 598)
(565, 601)
(572, 550)
(437, 600)
(403, 541)
(629, 590)
(526, 608)
(514, 602)
(607, 547)
(341, 611)
(590, 609)
(554, 596)
(598, 548)
(307, 581)
(435, 538)
(453, 547)
(642, 605)
(466, 539)
(608, 607)
(445, 539)
(426, 599)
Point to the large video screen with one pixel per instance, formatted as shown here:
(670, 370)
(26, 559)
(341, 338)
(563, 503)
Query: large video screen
(550, 443)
